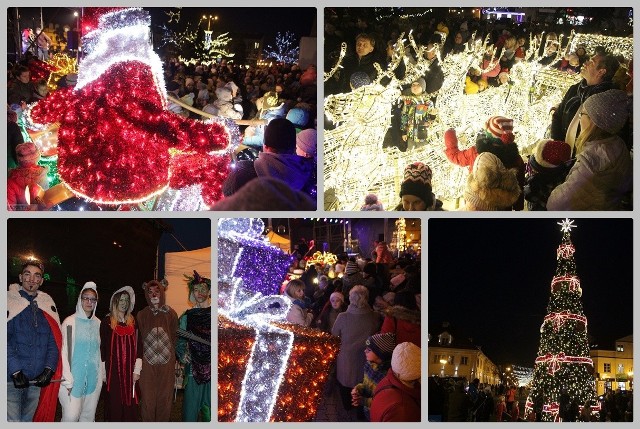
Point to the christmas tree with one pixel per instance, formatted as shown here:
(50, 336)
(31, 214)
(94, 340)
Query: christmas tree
(563, 373)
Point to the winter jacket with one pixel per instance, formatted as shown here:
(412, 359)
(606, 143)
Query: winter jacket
(414, 117)
(539, 184)
(223, 106)
(30, 343)
(598, 180)
(291, 168)
(81, 360)
(403, 322)
(19, 178)
(299, 315)
(295, 170)
(257, 140)
(571, 102)
(393, 401)
(353, 327)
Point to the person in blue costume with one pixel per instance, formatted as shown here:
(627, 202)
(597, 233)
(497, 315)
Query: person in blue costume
(81, 360)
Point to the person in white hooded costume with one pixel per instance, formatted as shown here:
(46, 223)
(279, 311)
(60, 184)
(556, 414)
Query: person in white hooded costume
(81, 364)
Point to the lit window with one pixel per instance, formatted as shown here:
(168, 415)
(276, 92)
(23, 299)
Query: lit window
(620, 348)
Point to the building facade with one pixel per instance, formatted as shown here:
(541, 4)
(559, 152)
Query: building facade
(613, 369)
(452, 355)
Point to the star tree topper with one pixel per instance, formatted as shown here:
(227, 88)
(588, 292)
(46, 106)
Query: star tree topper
(566, 225)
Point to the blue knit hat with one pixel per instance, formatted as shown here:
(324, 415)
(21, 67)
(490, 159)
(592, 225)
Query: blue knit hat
(298, 117)
(382, 345)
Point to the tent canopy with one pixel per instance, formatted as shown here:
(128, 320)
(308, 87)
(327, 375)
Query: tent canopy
(281, 242)
(176, 265)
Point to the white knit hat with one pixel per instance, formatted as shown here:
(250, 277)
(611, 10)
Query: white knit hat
(405, 361)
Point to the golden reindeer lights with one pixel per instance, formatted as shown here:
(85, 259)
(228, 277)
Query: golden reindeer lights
(355, 163)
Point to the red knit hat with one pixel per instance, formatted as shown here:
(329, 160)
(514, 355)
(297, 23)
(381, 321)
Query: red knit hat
(551, 153)
(500, 128)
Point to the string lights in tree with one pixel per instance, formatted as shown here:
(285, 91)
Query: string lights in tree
(117, 142)
(563, 369)
(363, 116)
(286, 49)
(400, 234)
(268, 370)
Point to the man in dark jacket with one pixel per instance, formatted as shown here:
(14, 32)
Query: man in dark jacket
(364, 60)
(278, 160)
(32, 350)
(597, 74)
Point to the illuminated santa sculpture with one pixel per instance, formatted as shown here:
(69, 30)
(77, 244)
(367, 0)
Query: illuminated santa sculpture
(117, 142)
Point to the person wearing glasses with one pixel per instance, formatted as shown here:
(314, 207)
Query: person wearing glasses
(602, 176)
(33, 344)
(81, 360)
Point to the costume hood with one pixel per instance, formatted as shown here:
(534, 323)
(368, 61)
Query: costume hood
(163, 287)
(132, 298)
(79, 311)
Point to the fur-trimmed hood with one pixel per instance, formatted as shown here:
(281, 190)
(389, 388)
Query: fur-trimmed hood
(403, 313)
(491, 186)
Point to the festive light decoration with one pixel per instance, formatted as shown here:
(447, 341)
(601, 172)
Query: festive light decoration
(401, 235)
(286, 49)
(322, 258)
(362, 117)
(523, 374)
(63, 64)
(115, 133)
(558, 319)
(563, 365)
(197, 46)
(264, 365)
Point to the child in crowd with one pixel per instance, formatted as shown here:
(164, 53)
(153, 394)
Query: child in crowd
(378, 351)
(547, 168)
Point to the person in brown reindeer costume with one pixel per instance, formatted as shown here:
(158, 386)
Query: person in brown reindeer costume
(158, 325)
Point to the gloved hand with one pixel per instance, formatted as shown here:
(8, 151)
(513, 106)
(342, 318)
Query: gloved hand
(44, 378)
(20, 380)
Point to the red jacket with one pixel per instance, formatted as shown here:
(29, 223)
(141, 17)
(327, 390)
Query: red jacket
(404, 323)
(394, 401)
(466, 158)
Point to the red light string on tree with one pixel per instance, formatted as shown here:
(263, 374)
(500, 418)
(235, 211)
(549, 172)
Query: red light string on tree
(558, 319)
(553, 361)
(574, 283)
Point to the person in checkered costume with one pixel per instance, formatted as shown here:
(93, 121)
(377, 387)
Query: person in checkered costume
(158, 327)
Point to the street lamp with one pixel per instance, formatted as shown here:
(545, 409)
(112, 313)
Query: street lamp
(209, 18)
(443, 362)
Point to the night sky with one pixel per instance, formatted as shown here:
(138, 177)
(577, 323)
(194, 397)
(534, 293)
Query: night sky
(490, 278)
(254, 20)
(111, 252)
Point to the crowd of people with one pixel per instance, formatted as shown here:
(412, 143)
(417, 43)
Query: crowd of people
(128, 357)
(594, 173)
(372, 303)
(456, 401)
(282, 158)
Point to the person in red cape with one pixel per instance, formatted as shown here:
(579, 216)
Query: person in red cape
(33, 348)
(121, 357)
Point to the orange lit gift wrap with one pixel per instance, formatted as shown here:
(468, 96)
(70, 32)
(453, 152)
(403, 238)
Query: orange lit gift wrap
(312, 354)
(276, 373)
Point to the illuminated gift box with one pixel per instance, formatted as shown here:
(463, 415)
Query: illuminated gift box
(298, 386)
(268, 369)
(244, 253)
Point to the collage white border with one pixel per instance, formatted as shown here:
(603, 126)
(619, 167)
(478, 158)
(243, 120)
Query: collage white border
(214, 216)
